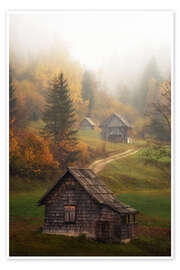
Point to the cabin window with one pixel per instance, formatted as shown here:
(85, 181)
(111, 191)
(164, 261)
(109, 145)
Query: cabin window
(69, 213)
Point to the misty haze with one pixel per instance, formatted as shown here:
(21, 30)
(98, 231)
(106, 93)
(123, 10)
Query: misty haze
(91, 90)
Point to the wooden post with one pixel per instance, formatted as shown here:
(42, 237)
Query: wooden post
(129, 234)
(128, 219)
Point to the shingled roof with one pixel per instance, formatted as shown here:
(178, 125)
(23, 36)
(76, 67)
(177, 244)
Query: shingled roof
(89, 121)
(95, 188)
(106, 122)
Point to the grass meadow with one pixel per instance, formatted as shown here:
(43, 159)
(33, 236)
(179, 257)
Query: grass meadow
(27, 239)
(93, 139)
(144, 187)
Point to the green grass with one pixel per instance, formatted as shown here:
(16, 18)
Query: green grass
(94, 140)
(130, 173)
(25, 205)
(154, 207)
(27, 239)
(145, 188)
(153, 204)
(91, 137)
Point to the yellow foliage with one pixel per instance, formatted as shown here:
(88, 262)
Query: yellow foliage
(140, 126)
(84, 155)
(30, 153)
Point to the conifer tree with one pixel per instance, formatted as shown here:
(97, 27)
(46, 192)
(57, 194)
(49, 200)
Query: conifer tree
(59, 118)
(88, 86)
(151, 71)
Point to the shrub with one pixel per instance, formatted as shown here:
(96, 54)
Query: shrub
(30, 155)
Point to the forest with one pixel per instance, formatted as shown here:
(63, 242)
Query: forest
(34, 150)
(53, 86)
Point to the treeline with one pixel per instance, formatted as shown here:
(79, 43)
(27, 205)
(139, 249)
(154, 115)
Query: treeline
(56, 90)
(152, 101)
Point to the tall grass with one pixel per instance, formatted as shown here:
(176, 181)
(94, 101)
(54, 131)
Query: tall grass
(130, 173)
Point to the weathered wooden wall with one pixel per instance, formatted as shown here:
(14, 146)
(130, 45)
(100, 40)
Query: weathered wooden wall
(115, 130)
(115, 134)
(88, 213)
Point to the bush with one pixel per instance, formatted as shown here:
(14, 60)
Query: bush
(30, 155)
(157, 155)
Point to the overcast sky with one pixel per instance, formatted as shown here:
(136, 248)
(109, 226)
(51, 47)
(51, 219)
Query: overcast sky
(117, 43)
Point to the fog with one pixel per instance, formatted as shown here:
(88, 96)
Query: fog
(117, 45)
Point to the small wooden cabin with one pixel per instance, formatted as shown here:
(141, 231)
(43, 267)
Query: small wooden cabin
(79, 203)
(87, 124)
(116, 129)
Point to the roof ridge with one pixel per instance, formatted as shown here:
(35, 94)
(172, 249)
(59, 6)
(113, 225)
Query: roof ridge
(89, 120)
(100, 192)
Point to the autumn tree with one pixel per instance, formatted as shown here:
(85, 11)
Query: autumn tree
(59, 118)
(159, 112)
(163, 107)
(30, 155)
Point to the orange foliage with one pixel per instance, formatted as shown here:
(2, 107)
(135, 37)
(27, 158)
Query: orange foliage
(84, 155)
(28, 101)
(35, 149)
(30, 154)
(13, 143)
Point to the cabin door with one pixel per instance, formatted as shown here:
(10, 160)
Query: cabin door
(102, 230)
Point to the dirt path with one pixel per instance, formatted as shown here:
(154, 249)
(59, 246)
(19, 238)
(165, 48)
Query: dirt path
(99, 165)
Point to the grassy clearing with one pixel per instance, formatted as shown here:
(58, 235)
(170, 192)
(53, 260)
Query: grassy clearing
(25, 205)
(130, 173)
(153, 204)
(154, 207)
(26, 239)
(144, 187)
(93, 139)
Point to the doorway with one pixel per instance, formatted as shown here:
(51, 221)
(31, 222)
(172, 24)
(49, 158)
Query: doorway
(102, 230)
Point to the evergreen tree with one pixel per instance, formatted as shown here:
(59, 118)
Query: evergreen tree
(124, 94)
(88, 86)
(59, 120)
(151, 72)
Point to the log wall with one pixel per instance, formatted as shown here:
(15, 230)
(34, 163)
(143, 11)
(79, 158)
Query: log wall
(88, 213)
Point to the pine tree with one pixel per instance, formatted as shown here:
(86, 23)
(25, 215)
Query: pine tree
(59, 118)
(88, 86)
(151, 71)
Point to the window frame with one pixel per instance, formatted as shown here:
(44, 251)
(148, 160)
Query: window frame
(67, 213)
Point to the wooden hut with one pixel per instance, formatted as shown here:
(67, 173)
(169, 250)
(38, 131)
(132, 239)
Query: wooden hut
(79, 203)
(87, 124)
(116, 129)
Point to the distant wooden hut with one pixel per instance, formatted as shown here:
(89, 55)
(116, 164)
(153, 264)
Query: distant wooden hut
(79, 203)
(87, 124)
(116, 129)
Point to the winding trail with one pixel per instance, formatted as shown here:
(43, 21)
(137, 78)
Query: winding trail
(99, 165)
